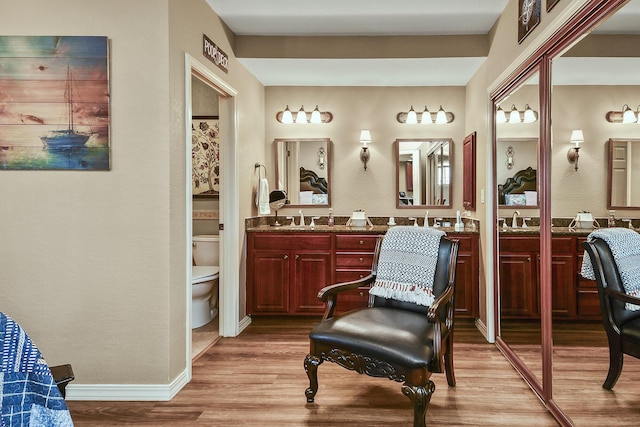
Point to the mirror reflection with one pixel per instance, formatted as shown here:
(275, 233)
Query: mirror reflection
(516, 174)
(423, 172)
(516, 163)
(303, 170)
(624, 174)
(588, 74)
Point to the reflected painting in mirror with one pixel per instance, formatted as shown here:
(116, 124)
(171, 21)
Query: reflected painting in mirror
(303, 170)
(423, 172)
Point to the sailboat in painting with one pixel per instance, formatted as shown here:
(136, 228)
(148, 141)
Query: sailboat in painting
(69, 137)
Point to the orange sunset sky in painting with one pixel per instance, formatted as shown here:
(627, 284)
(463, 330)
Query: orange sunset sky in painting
(33, 74)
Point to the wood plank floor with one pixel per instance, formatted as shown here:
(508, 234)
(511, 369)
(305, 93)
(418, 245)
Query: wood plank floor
(258, 379)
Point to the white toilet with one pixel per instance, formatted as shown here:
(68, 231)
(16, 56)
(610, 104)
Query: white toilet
(204, 279)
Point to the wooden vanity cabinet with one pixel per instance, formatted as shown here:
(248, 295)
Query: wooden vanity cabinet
(588, 303)
(285, 272)
(353, 260)
(467, 272)
(572, 296)
(518, 276)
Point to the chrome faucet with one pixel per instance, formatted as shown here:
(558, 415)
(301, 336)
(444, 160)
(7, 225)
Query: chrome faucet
(514, 222)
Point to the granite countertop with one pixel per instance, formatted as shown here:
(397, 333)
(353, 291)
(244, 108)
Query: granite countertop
(375, 229)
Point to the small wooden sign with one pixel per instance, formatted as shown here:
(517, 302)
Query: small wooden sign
(216, 55)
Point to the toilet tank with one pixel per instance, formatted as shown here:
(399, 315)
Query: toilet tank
(206, 249)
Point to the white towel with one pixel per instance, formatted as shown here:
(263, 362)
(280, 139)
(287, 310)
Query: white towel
(262, 197)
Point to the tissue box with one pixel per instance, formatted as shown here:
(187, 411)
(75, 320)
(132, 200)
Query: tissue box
(358, 219)
(515, 199)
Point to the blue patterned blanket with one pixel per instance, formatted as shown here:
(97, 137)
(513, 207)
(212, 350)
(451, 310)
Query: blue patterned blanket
(29, 396)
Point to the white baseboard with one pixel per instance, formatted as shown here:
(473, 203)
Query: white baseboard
(243, 324)
(482, 328)
(132, 392)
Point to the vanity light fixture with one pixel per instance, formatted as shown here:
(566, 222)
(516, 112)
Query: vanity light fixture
(514, 115)
(628, 116)
(441, 116)
(529, 115)
(286, 116)
(301, 117)
(365, 139)
(577, 138)
(426, 117)
(314, 117)
(412, 117)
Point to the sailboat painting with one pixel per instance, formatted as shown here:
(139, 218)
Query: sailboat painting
(54, 103)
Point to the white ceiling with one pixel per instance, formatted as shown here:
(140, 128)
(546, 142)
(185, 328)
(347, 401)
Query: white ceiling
(389, 17)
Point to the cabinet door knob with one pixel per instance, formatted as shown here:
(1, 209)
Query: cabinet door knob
(361, 242)
(297, 256)
(361, 294)
(286, 257)
(361, 260)
(529, 259)
(361, 276)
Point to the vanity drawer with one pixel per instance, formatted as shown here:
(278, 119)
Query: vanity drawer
(349, 242)
(292, 241)
(519, 244)
(354, 260)
(351, 275)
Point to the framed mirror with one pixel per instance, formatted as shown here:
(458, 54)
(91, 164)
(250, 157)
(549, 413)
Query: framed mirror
(303, 170)
(623, 174)
(516, 160)
(423, 172)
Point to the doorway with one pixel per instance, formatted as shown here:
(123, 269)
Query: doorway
(228, 208)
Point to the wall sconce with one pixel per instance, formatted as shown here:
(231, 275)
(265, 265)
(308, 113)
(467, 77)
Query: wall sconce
(322, 157)
(627, 115)
(577, 138)
(411, 117)
(510, 153)
(365, 138)
(314, 117)
(528, 115)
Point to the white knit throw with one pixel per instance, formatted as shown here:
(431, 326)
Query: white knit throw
(625, 248)
(407, 264)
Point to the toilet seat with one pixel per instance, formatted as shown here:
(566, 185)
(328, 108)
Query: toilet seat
(204, 273)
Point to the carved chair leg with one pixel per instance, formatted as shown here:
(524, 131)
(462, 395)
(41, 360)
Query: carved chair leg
(615, 367)
(311, 364)
(420, 397)
(448, 363)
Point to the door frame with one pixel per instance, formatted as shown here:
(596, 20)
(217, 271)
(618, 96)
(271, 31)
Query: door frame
(228, 203)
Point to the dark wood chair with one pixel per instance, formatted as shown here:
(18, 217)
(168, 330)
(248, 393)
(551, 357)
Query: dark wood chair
(394, 339)
(62, 375)
(622, 325)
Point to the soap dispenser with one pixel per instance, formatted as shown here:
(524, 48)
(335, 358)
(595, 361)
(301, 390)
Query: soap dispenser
(426, 219)
(330, 221)
(301, 218)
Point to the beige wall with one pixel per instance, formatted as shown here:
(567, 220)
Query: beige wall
(373, 108)
(94, 262)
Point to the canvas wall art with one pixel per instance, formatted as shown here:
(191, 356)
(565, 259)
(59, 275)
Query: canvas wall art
(54, 103)
(205, 156)
(528, 17)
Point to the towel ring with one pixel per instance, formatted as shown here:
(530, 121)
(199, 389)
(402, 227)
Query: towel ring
(257, 166)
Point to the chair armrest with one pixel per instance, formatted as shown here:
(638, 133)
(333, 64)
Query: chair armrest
(622, 296)
(329, 294)
(445, 297)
